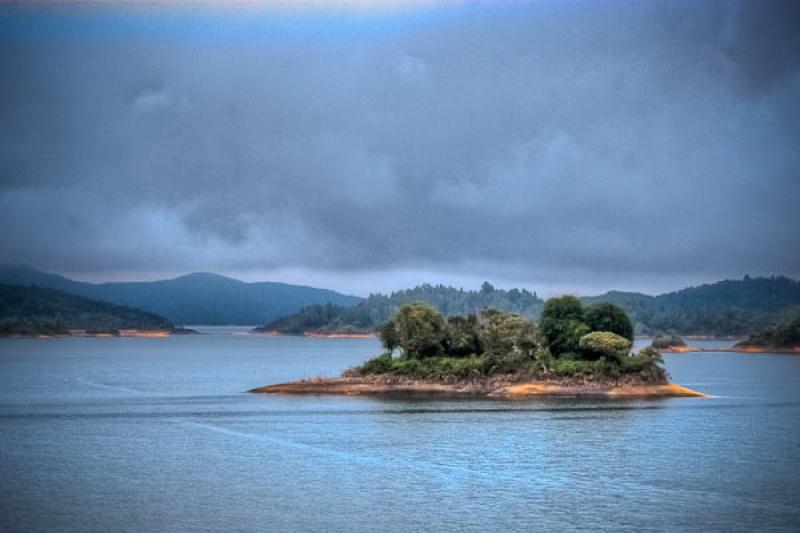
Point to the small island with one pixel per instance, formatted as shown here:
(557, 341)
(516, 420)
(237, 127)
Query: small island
(571, 351)
(672, 344)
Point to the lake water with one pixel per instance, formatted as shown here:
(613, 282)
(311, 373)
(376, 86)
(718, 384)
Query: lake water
(158, 435)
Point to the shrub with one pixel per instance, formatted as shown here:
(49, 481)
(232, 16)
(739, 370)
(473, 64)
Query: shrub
(604, 344)
(383, 364)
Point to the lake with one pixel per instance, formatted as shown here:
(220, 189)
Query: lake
(158, 435)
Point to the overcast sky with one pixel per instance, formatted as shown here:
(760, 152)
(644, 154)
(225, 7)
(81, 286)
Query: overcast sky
(558, 146)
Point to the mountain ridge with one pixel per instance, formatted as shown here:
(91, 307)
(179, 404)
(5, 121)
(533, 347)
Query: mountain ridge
(195, 298)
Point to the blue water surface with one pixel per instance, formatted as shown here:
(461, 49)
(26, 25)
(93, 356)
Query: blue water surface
(160, 435)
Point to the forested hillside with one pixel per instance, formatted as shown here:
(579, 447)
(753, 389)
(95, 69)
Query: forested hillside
(39, 311)
(378, 308)
(730, 307)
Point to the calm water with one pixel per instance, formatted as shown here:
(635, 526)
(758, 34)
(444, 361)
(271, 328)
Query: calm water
(158, 435)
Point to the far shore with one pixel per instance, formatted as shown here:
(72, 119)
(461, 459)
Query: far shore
(742, 349)
(127, 333)
(317, 334)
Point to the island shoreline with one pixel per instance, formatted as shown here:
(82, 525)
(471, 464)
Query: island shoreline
(503, 388)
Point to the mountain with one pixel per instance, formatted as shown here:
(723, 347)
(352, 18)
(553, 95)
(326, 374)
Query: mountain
(378, 308)
(37, 311)
(192, 299)
(730, 307)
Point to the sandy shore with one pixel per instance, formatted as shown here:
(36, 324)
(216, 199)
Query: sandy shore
(379, 385)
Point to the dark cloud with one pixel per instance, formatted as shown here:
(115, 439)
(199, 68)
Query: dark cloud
(607, 144)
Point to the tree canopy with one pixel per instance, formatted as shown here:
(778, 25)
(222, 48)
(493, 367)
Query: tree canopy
(606, 316)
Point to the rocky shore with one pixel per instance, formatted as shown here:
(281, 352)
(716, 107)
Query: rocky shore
(496, 387)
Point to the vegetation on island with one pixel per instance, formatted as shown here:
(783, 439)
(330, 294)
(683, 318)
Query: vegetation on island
(726, 308)
(570, 340)
(38, 311)
(783, 336)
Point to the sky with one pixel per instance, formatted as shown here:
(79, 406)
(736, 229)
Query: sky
(559, 146)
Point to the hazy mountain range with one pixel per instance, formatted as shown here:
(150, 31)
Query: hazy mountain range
(198, 298)
(729, 307)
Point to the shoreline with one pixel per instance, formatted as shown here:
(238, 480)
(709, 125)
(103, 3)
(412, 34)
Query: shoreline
(123, 333)
(315, 334)
(498, 387)
(743, 349)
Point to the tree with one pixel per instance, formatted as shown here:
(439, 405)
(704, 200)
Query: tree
(563, 308)
(562, 325)
(420, 330)
(606, 344)
(609, 317)
(389, 336)
(508, 339)
(461, 337)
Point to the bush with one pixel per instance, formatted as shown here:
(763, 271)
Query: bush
(604, 344)
(383, 364)
(636, 363)
(573, 367)
(428, 368)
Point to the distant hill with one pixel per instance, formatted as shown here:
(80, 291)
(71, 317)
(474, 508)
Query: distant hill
(192, 299)
(378, 308)
(730, 307)
(37, 311)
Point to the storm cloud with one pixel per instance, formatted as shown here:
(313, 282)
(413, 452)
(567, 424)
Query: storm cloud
(570, 145)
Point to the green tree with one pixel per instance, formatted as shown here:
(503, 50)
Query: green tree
(420, 330)
(508, 339)
(562, 325)
(389, 336)
(609, 317)
(606, 344)
(461, 338)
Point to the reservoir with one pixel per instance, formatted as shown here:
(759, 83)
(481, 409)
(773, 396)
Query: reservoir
(141, 434)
